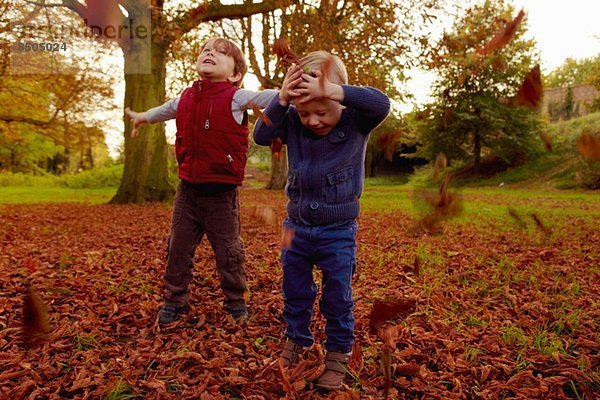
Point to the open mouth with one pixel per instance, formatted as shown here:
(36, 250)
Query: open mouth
(211, 62)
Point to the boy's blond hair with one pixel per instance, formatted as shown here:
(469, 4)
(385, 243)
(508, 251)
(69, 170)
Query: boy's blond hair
(317, 60)
(232, 50)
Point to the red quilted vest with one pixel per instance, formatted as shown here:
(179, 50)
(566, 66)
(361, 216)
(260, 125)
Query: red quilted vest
(211, 146)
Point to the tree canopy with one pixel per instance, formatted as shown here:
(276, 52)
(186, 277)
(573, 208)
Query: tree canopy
(480, 73)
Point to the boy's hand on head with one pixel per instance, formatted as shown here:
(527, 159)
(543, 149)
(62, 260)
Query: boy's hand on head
(316, 86)
(136, 119)
(288, 89)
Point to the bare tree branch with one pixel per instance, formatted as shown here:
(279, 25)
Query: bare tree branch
(216, 11)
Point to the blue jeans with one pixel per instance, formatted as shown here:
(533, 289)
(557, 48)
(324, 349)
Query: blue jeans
(332, 248)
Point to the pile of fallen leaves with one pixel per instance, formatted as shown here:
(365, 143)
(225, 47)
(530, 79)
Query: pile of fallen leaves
(433, 313)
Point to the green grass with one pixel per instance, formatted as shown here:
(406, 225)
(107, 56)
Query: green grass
(35, 194)
(491, 202)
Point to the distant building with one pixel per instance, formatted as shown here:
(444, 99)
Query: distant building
(559, 104)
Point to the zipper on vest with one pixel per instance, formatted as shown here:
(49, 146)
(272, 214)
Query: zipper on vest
(207, 121)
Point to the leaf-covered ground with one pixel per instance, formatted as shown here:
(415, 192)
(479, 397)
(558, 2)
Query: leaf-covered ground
(501, 311)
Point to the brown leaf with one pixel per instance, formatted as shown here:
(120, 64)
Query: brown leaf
(446, 119)
(325, 70)
(266, 215)
(285, 55)
(423, 114)
(388, 143)
(276, 148)
(546, 139)
(440, 164)
(287, 236)
(35, 317)
(538, 222)
(390, 336)
(384, 310)
(503, 36)
(31, 264)
(287, 387)
(589, 146)
(259, 114)
(530, 92)
(356, 359)
(410, 369)
(386, 368)
(513, 213)
(101, 14)
(417, 265)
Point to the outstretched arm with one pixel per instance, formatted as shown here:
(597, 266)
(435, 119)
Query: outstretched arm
(161, 113)
(137, 119)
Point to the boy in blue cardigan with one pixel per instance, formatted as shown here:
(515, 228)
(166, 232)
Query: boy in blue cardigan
(326, 131)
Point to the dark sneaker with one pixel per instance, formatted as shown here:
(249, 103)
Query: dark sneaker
(291, 352)
(336, 365)
(239, 314)
(169, 313)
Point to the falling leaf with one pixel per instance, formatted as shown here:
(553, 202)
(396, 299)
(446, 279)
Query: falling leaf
(35, 317)
(285, 382)
(423, 114)
(325, 70)
(440, 164)
(417, 265)
(384, 310)
(546, 139)
(443, 205)
(259, 114)
(266, 215)
(589, 146)
(390, 336)
(277, 148)
(513, 213)
(386, 368)
(31, 264)
(356, 358)
(388, 143)
(538, 222)
(285, 55)
(530, 92)
(287, 236)
(446, 119)
(503, 36)
(102, 14)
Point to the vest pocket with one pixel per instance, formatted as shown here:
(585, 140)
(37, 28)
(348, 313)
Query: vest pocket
(227, 164)
(339, 186)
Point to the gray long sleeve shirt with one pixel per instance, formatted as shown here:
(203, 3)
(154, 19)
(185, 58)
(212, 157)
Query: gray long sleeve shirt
(239, 105)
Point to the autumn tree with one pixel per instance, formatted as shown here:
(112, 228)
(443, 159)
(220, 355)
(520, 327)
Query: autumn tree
(46, 117)
(474, 114)
(145, 172)
(585, 71)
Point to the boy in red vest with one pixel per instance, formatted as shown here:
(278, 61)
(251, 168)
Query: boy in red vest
(211, 147)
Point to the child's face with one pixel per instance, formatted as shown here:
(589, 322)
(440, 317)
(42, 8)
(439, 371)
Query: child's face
(320, 116)
(215, 65)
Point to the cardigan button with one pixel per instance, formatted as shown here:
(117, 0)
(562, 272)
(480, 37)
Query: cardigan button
(314, 205)
(341, 134)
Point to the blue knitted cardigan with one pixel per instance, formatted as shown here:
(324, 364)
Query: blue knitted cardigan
(326, 173)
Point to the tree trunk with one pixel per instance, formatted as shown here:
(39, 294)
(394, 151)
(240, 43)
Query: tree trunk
(278, 171)
(477, 150)
(145, 176)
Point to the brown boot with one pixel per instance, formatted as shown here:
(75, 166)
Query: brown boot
(291, 352)
(336, 365)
